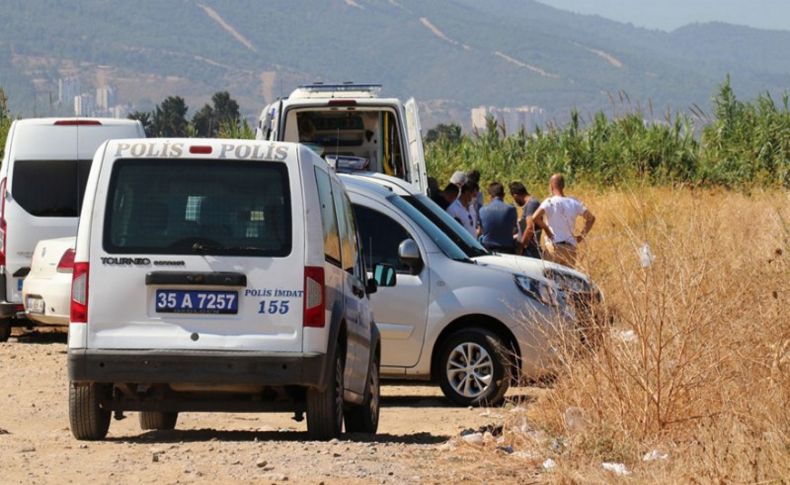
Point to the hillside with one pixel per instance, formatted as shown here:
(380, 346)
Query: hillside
(452, 54)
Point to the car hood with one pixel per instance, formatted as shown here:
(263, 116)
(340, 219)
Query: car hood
(534, 268)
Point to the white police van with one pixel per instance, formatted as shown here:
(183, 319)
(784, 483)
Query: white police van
(42, 180)
(352, 128)
(219, 275)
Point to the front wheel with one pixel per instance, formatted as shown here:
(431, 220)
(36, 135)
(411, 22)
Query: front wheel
(365, 418)
(325, 408)
(88, 420)
(5, 330)
(474, 368)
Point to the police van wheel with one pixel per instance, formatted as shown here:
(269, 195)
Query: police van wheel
(365, 418)
(5, 330)
(158, 420)
(473, 368)
(325, 408)
(88, 420)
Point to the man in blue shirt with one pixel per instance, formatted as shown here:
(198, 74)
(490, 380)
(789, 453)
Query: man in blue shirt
(498, 221)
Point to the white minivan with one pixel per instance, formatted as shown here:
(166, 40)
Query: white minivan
(45, 167)
(352, 127)
(472, 320)
(219, 275)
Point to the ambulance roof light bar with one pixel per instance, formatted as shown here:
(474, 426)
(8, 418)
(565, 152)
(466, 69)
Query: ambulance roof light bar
(346, 86)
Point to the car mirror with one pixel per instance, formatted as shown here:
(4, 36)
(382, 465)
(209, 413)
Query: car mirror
(409, 254)
(372, 286)
(383, 275)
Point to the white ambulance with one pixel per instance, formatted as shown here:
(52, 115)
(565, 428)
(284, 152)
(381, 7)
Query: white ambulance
(219, 275)
(353, 128)
(42, 181)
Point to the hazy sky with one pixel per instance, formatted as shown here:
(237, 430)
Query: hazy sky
(671, 14)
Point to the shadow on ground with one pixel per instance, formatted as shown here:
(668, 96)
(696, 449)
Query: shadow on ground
(202, 435)
(41, 337)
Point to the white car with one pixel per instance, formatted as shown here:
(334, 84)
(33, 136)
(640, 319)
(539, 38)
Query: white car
(469, 319)
(42, 181)
(46, 291)
(219, 275)
(352, 127)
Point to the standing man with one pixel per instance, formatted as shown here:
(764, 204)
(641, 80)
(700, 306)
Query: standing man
(459, 209)
(497, 221)
(560, 214)
(526, 207)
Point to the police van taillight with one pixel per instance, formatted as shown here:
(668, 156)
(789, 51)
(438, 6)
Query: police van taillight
(2, 222)
(314, 304)
(79, 293)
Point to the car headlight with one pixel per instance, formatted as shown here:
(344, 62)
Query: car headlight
(536, 289)
(568, 282)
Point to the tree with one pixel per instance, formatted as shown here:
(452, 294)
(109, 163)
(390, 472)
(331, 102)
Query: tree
(144, 117)
(5, 120)
(224, 114)
(450, 133)
(169, 118)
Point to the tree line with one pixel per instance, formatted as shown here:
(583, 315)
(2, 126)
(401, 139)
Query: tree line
(220, 119)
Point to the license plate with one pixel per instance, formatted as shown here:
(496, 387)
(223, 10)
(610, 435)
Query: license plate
(35, 305)
(196, 301)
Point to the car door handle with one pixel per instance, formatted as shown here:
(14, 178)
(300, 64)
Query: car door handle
(360, 292)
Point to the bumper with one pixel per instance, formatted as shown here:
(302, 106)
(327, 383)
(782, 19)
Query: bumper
(56, 295)
(197, 367)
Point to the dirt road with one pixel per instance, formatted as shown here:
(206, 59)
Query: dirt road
(36, 445)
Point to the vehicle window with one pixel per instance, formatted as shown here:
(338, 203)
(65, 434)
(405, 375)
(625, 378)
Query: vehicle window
(447, 224)
(50, 188)
(446, 245)
(328, 217)
(370, 134)
(345, 219)
(198, 207)
(381, 236)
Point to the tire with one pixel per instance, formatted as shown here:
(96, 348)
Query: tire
(325, 408)
(158, 420)
(89, 422)
(5, 330)
(484, 385)
(365, 418)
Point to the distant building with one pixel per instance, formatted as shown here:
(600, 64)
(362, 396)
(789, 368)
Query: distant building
(68, 89)
(512, 118)
(120, 111)
(105, 98)
(84, 105)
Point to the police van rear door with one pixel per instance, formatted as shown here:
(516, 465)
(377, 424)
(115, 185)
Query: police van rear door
(200, 246)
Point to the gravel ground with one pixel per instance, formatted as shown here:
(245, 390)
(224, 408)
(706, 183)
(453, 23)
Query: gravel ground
(36, 445)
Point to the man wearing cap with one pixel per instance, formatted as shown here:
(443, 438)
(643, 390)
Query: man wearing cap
(459, 209)
(557, 217)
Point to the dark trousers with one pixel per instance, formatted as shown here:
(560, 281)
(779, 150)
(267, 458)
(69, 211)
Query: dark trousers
(501, 249)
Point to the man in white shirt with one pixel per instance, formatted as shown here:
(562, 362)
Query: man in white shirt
(459, 209)
(557, 217)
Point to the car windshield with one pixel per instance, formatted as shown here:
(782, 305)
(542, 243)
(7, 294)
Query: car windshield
(198, 207)
(449, 226)
(446, 245)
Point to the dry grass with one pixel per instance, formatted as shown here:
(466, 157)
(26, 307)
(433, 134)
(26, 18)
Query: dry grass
(697, 364)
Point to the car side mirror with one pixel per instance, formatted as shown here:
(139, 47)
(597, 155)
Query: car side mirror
(409, 254)
(372, 286)
(383, 275)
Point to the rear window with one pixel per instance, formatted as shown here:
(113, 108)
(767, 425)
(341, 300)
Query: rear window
(198, 207)
(50, 188)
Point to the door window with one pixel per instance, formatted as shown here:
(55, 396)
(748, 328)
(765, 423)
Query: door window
(381, 236)
(345, 217)
(50, 188)
(328, 217)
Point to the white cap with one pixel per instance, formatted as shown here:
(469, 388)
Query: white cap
(458, 178)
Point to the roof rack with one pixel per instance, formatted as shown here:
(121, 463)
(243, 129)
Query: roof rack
(346, 86)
